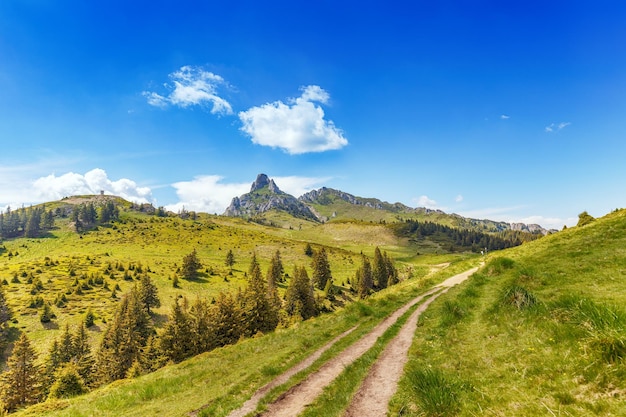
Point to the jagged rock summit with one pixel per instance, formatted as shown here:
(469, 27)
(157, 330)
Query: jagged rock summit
(264, 196)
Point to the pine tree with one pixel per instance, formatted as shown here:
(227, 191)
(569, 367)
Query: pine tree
(321, 269)
(148, 293)
(230, 260)
(365, 280)
(308, 250)
(226, 320)
(259, 313)
(275, 271)
(190, 266)
(20, 384)
(68, 382)
(299, 298)
(83, 359)
(176, 341)
(380, 273)
(123, 340)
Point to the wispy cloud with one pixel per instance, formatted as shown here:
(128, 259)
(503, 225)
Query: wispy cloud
(296, 127)
(459, 198)
(210, 194)
(504, 117)
(555, 127)
(192, 86)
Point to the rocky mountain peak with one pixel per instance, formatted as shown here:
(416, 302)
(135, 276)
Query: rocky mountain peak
(263, 181)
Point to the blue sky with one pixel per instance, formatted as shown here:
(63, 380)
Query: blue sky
(482, 108)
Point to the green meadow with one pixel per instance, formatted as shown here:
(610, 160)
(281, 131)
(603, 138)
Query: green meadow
(539, 330)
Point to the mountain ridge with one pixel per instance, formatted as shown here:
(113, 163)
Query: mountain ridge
(324, 204)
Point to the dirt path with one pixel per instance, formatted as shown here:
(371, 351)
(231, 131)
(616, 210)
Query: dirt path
(294, 401)
(252, 403)
(373, 396)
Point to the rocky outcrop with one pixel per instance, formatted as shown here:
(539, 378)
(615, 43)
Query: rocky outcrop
(264, 196)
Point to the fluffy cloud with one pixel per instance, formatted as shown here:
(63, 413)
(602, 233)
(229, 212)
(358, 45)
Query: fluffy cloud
(206, 193)
(424, 201)
(52, 187)
(192, 86)
(296, 127)
(209, 194)
(556, 126)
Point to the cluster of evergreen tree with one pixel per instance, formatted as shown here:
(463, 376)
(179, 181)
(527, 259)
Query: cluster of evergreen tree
(87, 215)
(462, 239)
(374, 277)
(26, 222)
(130, 345)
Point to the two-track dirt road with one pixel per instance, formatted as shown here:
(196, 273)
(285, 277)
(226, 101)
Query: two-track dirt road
(383, 376)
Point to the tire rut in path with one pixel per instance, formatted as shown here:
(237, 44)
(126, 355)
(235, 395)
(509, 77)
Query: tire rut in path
(372, 398)
(252, 403)
(295, 400)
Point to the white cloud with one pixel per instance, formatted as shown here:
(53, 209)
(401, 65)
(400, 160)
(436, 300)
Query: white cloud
(556, 126)
(192, 86)
(297, 186)
(209, 194)
(424, 201)
(297, 127)
(52, 187)
(504, 117)
(459, 198)
(206, 193)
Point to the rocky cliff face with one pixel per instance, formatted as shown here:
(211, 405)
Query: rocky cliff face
(265, 195)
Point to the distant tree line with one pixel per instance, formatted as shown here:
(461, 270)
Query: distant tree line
(25, 222)
(462, 239)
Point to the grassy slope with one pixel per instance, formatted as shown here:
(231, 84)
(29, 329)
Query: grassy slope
(222, 380)
(563, 352)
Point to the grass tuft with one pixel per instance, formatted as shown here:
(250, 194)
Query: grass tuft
(519, 297)
(435, 393)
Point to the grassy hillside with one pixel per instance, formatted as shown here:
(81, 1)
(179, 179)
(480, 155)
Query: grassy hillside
(541, 330)
(79, 272)
(221, 380)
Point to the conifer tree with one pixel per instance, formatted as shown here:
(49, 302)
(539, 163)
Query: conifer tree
(68, 382)
(190, 266)
(380, 273)
(200, 315)
(83, 358)
(51, 365)
(299, 298)
(176, 341)
(258, 313)
(275, 271)
(226, 320)
(321, 269)
(364, 278)
(148, 293)
(230, 260)
(20, 384)
(123, 340)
